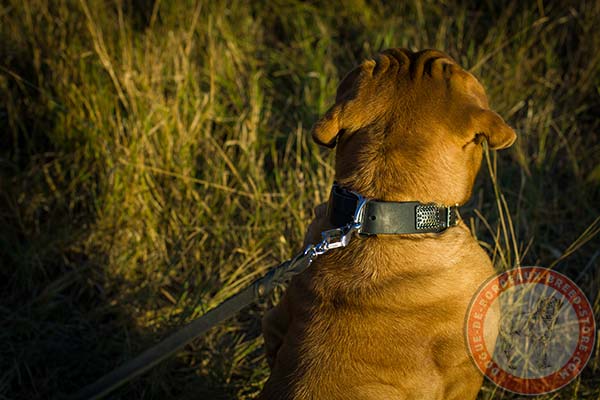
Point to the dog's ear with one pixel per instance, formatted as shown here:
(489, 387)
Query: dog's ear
(327, 129)
(488, 123)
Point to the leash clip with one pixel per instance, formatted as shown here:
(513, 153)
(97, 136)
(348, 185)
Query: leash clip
(340, 237)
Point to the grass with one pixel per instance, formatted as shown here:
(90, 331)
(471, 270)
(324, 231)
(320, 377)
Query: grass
(154, 159)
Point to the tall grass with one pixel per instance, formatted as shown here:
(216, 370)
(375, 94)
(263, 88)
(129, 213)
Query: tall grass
(154, 160)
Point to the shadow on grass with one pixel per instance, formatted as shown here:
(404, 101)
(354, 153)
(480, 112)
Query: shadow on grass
(61, 327)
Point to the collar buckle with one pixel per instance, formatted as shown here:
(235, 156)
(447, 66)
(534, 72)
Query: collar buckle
(359, 212)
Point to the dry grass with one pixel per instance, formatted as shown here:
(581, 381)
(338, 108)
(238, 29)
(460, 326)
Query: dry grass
(154, 160)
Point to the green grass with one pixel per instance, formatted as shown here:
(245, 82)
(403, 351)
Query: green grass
(154, 159)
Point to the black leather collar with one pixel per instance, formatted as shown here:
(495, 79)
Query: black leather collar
(389, 218)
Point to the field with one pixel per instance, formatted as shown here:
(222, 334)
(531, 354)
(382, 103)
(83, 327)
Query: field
(155, 159)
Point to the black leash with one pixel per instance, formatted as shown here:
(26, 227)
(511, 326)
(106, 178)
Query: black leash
(165, 349)
(258, 289)
(356, 215)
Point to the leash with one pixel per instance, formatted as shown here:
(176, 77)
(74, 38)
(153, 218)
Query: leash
(354, 214)
(332, 239)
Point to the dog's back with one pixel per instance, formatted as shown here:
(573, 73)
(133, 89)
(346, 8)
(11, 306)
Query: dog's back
(383, 318)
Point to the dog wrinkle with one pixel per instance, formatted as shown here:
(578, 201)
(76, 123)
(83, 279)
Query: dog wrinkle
(428, 65)
(382, 63)
(420, 59)
(441, 69)
(398, 54)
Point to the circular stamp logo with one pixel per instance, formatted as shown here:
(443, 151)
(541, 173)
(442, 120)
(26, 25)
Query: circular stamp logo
(530, 330)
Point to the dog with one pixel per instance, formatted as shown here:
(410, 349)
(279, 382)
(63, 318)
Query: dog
(384, 317)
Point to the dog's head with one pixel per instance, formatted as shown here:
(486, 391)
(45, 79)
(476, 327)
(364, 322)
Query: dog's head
(409, 126)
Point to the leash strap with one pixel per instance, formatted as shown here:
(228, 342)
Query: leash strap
(390, 218)
(349, 210)
(153, 356)
(260, 288)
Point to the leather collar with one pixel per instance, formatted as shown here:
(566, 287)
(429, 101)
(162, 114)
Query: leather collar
(386, 217)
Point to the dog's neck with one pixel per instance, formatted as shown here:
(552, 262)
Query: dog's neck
(369, 164)
(402, 189)
(372, 264)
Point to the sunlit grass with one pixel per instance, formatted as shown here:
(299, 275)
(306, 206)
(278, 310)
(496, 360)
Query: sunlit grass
(155, 159)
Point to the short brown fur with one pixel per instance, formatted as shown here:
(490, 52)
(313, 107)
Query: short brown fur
(383, 318)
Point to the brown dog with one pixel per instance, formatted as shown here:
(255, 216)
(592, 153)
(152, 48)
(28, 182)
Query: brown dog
(383, 318)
